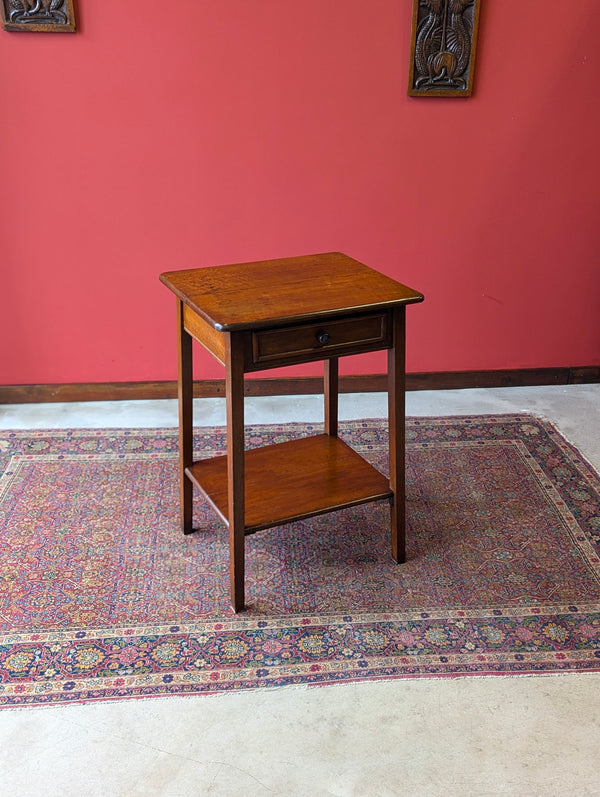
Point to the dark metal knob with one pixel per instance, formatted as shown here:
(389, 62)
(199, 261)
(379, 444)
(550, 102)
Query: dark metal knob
(323, 338)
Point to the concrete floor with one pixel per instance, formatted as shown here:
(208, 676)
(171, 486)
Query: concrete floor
(532, 735)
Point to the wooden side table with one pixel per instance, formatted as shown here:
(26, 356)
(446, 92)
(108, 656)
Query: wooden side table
(256, 316)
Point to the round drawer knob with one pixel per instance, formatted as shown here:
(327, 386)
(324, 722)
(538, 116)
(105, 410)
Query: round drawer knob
(323, 338)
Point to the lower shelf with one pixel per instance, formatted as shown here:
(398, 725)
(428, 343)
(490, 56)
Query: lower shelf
(293, 480)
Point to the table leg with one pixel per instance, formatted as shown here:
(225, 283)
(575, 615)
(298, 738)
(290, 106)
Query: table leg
(234, 387)
(396, 407)
(331, 396)
(186, 439)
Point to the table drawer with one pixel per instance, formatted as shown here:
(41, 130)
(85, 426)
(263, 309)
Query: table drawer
(320, 340)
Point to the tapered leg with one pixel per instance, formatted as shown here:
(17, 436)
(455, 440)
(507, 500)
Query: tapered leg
(186, 442)
(234, 386)
(331, 396)
(396, 403)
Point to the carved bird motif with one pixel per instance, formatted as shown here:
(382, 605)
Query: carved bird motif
(37, 10)
(20, 6)
(51, 5)
(30, 8)
(443, 43)
(21, 9)
(459, 34)
(427, 32)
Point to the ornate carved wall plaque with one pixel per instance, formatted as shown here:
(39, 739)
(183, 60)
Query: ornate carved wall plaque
(50, 16)
(444, 39)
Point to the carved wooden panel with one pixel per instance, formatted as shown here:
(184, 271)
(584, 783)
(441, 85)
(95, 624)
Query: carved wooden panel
(444, 39)
(38, 15)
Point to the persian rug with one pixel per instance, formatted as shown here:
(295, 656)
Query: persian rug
(102, 597)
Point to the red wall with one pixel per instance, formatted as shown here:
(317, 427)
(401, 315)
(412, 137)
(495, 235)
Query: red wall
(165, 136)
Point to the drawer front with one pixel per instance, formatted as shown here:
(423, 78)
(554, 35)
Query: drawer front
(320, 340)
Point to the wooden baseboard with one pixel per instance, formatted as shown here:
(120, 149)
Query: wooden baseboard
(289, 386)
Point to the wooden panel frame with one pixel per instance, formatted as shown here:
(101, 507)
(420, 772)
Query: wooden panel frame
(443, 48)
(38, 16)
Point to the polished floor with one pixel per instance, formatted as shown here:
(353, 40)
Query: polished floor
(531, 735)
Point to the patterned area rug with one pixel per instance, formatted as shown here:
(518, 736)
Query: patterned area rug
(102, 597)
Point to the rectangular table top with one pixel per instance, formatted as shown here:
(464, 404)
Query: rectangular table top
(275, 292)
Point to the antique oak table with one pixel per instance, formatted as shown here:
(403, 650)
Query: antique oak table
(256, 316)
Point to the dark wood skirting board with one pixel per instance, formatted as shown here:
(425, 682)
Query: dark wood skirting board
(289, 386)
